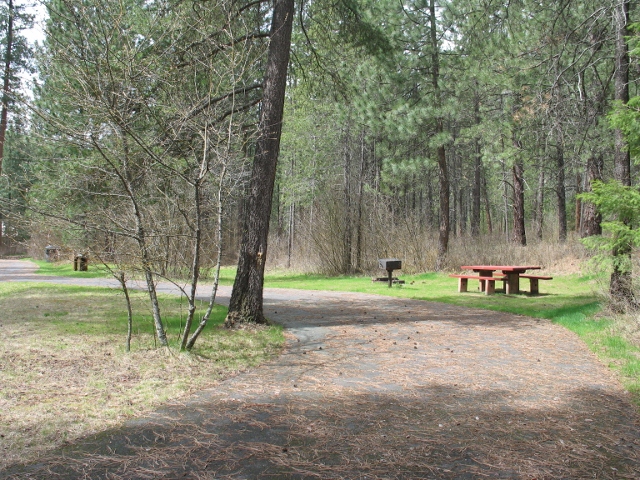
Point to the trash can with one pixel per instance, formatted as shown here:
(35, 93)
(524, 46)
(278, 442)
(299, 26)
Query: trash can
(81, 262)
(51, 253)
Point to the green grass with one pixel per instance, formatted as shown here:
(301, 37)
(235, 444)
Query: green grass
(101, 312)
(571, 293)
(64, 359)
(65, 269)
(568, 300)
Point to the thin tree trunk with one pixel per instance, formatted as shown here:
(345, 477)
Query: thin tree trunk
(487, 203)
(197, 248)
(247, 295)
(212, 299)
(477, 171)
(140, 236)
(476, 195)
(578, 206)
(561, 194)
(347, 231)
(363, 159)
(125, 290)
(539, 210)
(292, 214)
(505, 198)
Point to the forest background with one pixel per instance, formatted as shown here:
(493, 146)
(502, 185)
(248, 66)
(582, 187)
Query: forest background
(440, 133)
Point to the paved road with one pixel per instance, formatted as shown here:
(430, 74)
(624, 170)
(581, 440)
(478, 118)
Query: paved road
(377, 387)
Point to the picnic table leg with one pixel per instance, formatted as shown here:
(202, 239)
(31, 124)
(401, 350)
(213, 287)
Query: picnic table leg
(483, 283)
(513, 283)
(491, 287)
(535, 290)
(463, 283)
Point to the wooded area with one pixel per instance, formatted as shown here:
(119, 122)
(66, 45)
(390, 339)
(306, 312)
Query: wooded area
(404, 125)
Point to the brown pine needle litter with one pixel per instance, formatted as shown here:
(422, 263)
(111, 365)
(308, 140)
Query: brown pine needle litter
(422, 390)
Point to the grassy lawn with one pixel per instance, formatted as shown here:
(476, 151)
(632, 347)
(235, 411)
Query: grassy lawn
(65, 269)
(64, 372)
(569, 300)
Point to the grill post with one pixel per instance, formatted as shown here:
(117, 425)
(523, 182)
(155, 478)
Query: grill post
(390, 264)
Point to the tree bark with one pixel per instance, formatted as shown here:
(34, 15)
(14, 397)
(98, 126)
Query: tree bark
(591, 219)
(6, 89)
(519, 234)
(517, 175)
(247, 295)
(347, 232)
(620, 287)
(443, 175)
(578, 206)
(477, 171)
(214, 291)
(561, 195)
(539, 210)
(361, 173)
(622, 160)
(487, 203)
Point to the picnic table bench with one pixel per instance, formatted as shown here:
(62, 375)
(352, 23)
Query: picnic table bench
(510, 276)
(489, 283)
(533, 282)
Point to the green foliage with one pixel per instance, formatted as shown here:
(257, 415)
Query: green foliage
(626, 118)
(620, 208)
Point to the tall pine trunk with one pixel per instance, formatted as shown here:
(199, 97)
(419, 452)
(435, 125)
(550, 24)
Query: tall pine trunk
(517, 175)
(443, 174)
(6, 89)
(539, 208)
(620, 287)
(519, 234)
(247, 295)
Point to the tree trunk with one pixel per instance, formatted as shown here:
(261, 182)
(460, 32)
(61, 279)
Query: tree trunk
(292, 214)
(539, 210)
(519, 234)
(363, 161)
(6, 88)
(347, 231)
(578, 206)
(246, 298)
(476, 195)
(477, 173)
(591, 219)
(620, 287)
(443, 175)
(125, 290)
(214, 291)
(561, 195)
(517, 177)
(487, 203)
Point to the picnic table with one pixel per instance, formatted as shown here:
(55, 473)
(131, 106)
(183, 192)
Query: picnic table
(510, 275)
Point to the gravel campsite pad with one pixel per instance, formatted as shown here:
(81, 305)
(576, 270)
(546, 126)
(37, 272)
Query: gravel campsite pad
(378, 387)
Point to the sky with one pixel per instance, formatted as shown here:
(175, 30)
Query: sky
(36, 34)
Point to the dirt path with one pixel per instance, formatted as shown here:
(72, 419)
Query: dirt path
(377, 387)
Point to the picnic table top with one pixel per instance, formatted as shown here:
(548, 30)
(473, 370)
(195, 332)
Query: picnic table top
(504, 268)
